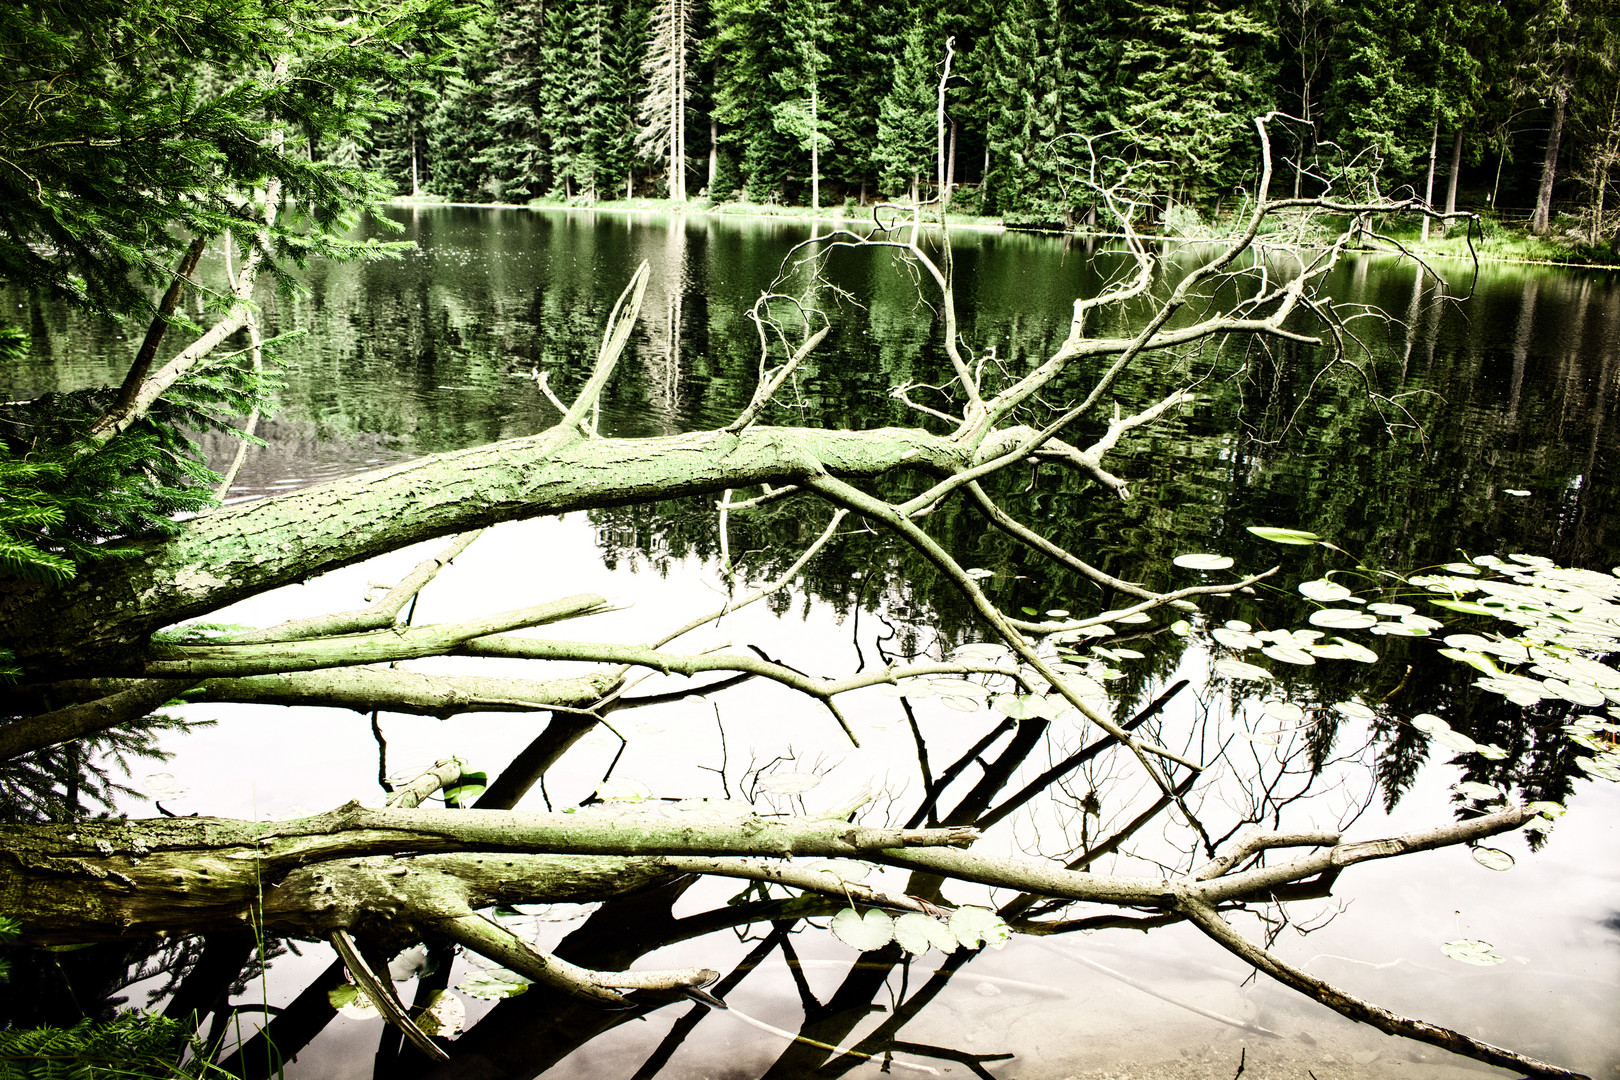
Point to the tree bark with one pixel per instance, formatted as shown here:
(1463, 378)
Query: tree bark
(1456, 173)
(109, 610)
(1541, 221)
(1428, 188)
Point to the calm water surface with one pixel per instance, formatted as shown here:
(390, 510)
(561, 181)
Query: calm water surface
(1479, 418)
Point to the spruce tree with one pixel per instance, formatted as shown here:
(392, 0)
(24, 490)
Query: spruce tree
(906, 135)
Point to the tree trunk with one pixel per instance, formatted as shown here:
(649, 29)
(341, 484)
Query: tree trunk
(1428, 188)
(1541, 221)
(342, 869)
(234, 552)
(815, 149)
(1456, 172)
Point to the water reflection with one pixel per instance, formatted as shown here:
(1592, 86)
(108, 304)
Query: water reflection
(1508, 391)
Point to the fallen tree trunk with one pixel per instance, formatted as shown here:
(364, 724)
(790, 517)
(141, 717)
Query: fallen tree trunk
(217, 558)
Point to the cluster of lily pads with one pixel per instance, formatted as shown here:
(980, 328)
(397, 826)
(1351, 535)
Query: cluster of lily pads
(1563, 621)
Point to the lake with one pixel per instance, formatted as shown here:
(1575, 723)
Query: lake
(1473, 416)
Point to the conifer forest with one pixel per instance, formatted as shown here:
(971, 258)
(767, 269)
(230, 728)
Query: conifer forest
(817, 101)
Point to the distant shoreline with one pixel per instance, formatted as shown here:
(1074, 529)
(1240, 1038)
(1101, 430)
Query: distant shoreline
(838, 216)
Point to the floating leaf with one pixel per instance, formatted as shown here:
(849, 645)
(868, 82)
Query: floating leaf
(409, 964)
(1354, 710)
(1357, 652)
(1578, 693)
(1012, 706)
(1289, 654)
(492, 984)
(792, 783)
(348, 999)
(1456, 740)
(1461, 568)
(1467, 607)
(961, 704)
(1237, 624)
(977, 572)
(1398, 629)
(1284, 711)
(1492, 858)
(444, 1016)
(1519, 492)
(1324, 590)
(1203, 562)
(982, 652)
(1284, 536)
(1476, 660)
(1237, 669)
(917, 932)
(1601, 769)
(864, 932)
(1181, 628)
(1234, 639)
(1058, 613)
(1430, 723)
(1394, 611)
(1474, 790)
(976, 926)
(1470, 951)
(1342, 619)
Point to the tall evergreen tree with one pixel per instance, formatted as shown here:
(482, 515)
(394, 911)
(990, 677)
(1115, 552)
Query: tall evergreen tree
(518, 155)
(906, 135)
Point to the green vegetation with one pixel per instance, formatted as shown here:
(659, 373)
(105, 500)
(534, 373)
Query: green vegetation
(810, 101)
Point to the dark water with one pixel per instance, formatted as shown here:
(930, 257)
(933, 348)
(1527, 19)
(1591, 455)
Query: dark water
(1470, 416)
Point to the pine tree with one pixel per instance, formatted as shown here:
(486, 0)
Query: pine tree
(518, 153)
(1189, 76)
(906, 138)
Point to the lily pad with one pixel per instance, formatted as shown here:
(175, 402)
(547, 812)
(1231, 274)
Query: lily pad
(1234, 639)
(1324, 590)
(1471, 951)
(1355, 651)
(1283, 711)
(1237, 669)
(976, 926)
(1289, 654)
(1342, 619)
(1203, 562)
(917, 933)
(872, 930)
(1492, 858)
(492, 984)
(1284, 536)
(444, 1017)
